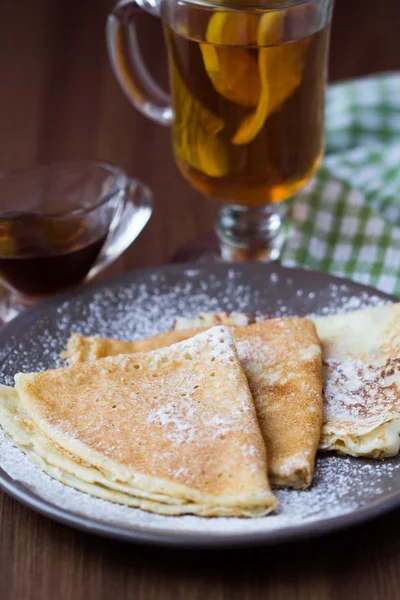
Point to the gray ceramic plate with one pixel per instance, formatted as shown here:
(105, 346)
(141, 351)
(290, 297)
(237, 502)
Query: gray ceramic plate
(345, 490)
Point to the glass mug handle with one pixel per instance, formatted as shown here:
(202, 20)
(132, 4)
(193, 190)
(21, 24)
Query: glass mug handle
(128, 65)
(133, 210)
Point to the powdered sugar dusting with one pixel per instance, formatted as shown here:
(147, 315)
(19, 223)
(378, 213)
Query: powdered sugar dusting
(359, 393)
(145, 304)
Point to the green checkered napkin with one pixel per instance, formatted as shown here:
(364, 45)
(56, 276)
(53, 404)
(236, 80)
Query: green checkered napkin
(347, 221)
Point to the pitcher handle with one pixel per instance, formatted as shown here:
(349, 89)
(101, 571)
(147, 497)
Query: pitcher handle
(134, 208)
(128, 65)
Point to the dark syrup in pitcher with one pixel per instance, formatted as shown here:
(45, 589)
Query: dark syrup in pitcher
(42, 255)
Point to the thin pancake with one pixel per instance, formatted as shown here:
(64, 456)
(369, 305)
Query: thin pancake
(81, 348)
(282, 362)
(281, 358)
(178, 421)
(361, 374)
(361, 355)
(58, 464)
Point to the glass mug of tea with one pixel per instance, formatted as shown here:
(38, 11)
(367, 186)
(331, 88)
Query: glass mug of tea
(62, 224)
(246, 105)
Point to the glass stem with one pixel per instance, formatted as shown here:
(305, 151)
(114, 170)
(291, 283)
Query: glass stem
(250, 233)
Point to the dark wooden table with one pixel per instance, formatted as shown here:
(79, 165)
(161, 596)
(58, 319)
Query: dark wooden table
(59, 100)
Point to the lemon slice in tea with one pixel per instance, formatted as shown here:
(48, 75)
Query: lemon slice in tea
(195, 129)
(233, 71)
(280, 68)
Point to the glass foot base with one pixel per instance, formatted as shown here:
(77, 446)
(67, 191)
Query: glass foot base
(241, 234)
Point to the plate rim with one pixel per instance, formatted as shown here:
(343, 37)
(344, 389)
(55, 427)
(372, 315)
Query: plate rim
(180, 538)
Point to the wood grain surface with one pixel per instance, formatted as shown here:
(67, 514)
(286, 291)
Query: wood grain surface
(59, 100)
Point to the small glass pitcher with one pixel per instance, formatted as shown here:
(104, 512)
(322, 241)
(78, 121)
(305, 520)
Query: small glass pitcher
(62, 224)
(246, 105)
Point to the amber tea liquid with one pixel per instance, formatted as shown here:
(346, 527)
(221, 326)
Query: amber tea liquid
(249, 119)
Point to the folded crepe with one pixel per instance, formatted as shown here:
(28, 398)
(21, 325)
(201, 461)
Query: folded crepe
(81, 348)
(171, 431)
(361, 379)
(361, 357)
(282, 362)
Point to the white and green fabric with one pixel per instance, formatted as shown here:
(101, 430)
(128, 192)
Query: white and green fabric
(347, 221)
